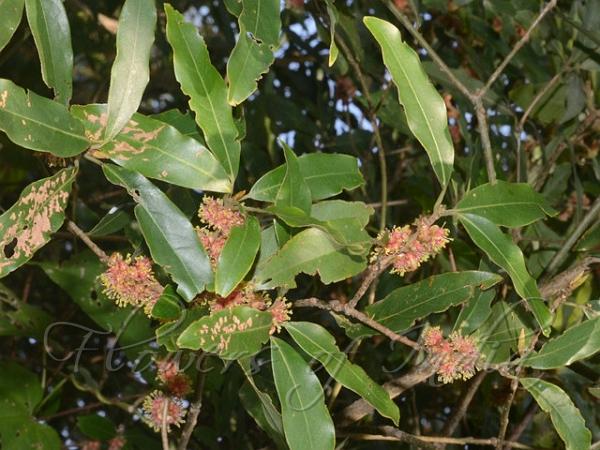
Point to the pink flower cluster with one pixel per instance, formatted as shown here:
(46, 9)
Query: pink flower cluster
(455, 358)
(219, 219)
(158, 407)
(176, 382)
(116, 443)
(279, 309)
(413, 245)
(131, 281)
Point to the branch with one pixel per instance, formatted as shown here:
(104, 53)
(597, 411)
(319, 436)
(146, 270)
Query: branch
(164, 429)
(360, 408)
(195, 408)
(87, 241)
(514, 384)
(488, 154)
(585, 223)
(347, 310)
(373, 119)
(460, 412)
(430, 51)
(374, 271)
(427, 442)
(549, 6)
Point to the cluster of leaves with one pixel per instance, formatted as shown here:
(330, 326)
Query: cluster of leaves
(237, 247)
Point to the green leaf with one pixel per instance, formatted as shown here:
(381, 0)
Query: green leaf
(184, 123)
(20, 385)
(506, 204)
(131, 70)
(237, 256)
(172, 240)
(234, 7)
(564, 415)
(319, 344)
(253, 53)
(18, 430)
(424, 107)
(52, 35)
(110, 223)
(38, 123)
(310, 251)
(168, 333)
(498, 336)
(475, 312)
(577, 343)
(503, 251)
(28, 225)
(156, 150)
(12, 11)
(231, 333)
(78, 277)
(21, 319)
(168, 305)
(260, 406)
(344, 221)
(306, 420)
(207, 91)
(96, 427)
(327, 174)
(333, 18)
(293, 190)
(403, 306)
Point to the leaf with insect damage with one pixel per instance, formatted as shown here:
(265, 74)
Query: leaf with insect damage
(28, 224)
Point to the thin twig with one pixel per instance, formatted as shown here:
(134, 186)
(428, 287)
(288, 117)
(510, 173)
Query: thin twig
(430, 51)
(460, 412)
(374, 124)
(416, 375)
(525, 421)
(347, 310)
(373, 272)
(514, 384)
(87, 241)
(585, 223)
(485, 140)
(549, 6)
(164, 429)
(195, 408)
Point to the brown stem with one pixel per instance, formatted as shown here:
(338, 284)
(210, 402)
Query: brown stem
(87, 241)
(195, 408)
(485, 140)
(164, 429)
(347, 310)
(360, 408)
(514, 384)
(549, 6)
(460, 412)
(426, 442)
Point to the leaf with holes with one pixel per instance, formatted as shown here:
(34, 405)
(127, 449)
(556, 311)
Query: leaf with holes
(52, 35)
(424, 107)
(172, 240)
(38, 123)
(253, 52)
(207, 91)
(156, 150)
(131, 70)
(28, 225)
(231, 333)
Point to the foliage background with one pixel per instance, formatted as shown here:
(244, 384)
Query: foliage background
(313, 107)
